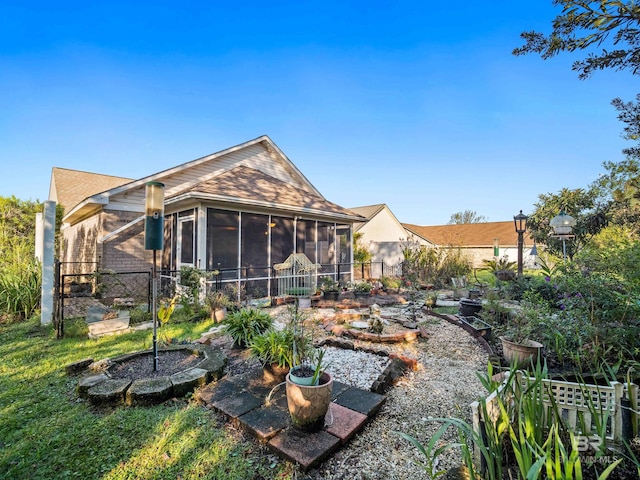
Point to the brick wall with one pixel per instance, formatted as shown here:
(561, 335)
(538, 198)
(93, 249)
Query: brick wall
(125, 251)
(79, 243)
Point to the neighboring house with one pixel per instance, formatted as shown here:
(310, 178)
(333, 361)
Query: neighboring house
(238, 211)
(478, 240)
(383, 235)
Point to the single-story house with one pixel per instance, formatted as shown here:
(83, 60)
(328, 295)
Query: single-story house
(384, 237)
(239, 211)
(480, 241)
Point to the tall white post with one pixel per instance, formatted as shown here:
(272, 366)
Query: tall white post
(39, 245)
(48, 247)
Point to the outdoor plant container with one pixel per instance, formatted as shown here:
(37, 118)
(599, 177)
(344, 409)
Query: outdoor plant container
(520, 353)
(476, 326)
(468, 307)
(308, 404)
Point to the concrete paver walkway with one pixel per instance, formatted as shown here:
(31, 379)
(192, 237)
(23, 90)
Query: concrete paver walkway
(242, 398)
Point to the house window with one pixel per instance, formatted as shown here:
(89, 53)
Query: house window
(186, 240)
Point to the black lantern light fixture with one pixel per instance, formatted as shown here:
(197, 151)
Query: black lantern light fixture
(562, 225)
(154, 240)
(520, 222)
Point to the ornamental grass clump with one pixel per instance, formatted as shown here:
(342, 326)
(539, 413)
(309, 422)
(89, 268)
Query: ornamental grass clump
(246, 324)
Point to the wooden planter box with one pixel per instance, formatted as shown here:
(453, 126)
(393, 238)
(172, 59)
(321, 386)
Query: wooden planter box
(476, 326)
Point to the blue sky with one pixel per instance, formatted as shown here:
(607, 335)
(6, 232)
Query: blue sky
(419, 105)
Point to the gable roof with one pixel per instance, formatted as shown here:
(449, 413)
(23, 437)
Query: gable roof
(89, 201)
(469, 234)
(69, 187)
(247, 185)
(369, 211)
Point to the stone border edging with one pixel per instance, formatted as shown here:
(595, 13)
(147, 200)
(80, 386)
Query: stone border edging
(100, 389)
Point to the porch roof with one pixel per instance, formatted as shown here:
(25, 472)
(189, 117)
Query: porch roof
(248, 186)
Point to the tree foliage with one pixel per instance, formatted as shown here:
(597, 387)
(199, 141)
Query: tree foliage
(629, 114)
(17, 228)
(591, 25)
(468, 216)
(581, 205)
(361, 253)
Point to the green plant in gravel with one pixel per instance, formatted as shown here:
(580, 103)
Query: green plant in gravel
(247, 323)
(45, 433)
(431, 451)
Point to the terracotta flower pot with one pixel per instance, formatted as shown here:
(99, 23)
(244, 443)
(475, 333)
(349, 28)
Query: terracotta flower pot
(520, 353)
(309, 404)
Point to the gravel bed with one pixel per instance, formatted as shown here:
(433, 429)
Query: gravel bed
(356, 368)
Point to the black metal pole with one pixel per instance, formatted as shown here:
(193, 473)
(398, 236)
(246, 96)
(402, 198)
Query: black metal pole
(520, 247)
(154, 309)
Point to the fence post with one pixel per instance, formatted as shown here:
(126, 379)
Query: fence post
(617, 420)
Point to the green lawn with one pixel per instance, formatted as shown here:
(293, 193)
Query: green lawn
(47, 433)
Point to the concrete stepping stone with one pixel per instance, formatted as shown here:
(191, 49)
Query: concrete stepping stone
(367, 403)
(264, 423)
(236, 405)
(305, 449)
(343, 422)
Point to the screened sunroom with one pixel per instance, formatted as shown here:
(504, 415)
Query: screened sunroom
(244, 246)
(244, 221)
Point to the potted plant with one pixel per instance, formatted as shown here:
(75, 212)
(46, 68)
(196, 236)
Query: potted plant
(517, 346)
(502, 268)
(218, 303)
(274, 349)
(309, 389)
(330, 288)
(362, 289)
(308, 385)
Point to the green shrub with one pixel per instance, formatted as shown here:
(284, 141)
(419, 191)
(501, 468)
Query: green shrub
(246, 324)
(20, 286)
(274, 347)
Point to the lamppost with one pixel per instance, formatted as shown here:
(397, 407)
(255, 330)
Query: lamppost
(520, 222)
(562, 225)
(153, 240)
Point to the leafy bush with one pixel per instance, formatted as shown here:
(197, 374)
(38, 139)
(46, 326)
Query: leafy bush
(246, 324)
(20, 286)
(274, 347)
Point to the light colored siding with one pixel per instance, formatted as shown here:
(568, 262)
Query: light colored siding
(383, 228)
(254, 156)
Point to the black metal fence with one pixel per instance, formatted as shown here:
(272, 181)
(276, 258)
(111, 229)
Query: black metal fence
(79, 285)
